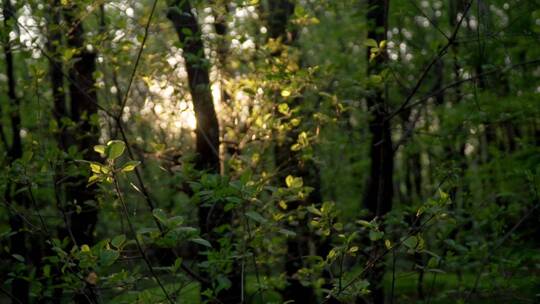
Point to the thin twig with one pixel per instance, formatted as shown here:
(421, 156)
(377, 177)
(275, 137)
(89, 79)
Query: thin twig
(138, 59)
(440, 54)
(134, 233)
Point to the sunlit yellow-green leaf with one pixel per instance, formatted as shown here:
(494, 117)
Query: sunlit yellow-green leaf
(85, 248)
(294, 182)
(285, 93)
(130, 166)
(100, 149)
(115, 148)
(95, 167)
(283, 108)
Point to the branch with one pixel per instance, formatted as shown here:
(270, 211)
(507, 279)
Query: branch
(459, 82)
(440, 54)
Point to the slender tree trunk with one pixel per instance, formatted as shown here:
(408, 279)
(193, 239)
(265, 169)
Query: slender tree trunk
(83, 102)
(83, 111)
(207, 132)
(19, 287)
(379, 190)
(378, 199)
(56, 72)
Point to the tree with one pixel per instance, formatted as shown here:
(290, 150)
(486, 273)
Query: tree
(83, 112)
(379, 190)
(14, 192)
(207, 132)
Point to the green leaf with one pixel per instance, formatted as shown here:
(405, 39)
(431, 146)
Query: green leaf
(18, 257)
(375, 235)
(370, 43)
(287, 232)
(433, 262)
(118, 240)
(375, 79)
(314, 210)
(108, 257)
(175, 221)
(177, 264)
(202, 241)
(115, 148)
(160, 215)
(365, 223)
(256, 216)
(130, 166)
(411, 242)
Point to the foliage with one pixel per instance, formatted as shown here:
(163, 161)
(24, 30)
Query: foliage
(109, 206)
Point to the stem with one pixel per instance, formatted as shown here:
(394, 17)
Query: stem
(393, 276)
(139, 247)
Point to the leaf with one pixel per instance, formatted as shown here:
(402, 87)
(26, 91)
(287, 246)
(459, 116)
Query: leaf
(287, 232)
(411, 242)
(115, 148)
(332, 254)
(433, 262)
(175, 221)
(100, 149)
(375, 235)
(364, 223)
(18, 257)
(202, 241)
(375, 79)
(85, 248)
(160, 215)
(256, 216)
(223, 283)
(95, 167)
(130, 166)
(283, 108)
(314, 210)
(93, 179)
(370, 43)
(285, 93)
(296, 147)
(294, 182)
(177, 264)
(118, 240)
(108, 257)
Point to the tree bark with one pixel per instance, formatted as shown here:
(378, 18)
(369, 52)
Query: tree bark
(187, 28)
(379, 190)
(19, 287)
(83, 111)
(56, 72)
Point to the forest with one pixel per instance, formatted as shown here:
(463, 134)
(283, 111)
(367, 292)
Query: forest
(269, 151)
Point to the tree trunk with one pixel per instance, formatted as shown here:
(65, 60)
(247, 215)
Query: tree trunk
(83, 106)
(379, 190)
(207, 132)
(19, 287)
(56, 72)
